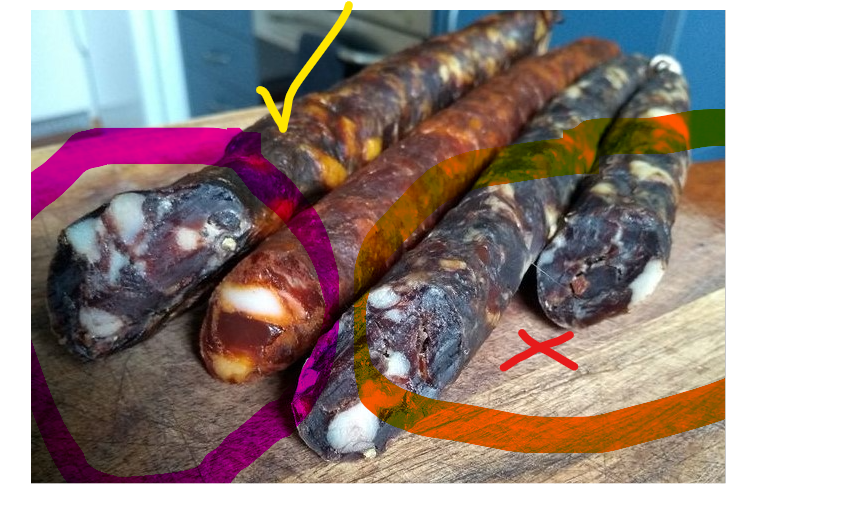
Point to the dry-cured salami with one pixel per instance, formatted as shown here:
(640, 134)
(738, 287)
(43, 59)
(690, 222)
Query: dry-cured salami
(614, 245)
(269, 310)
(439, 303)
(123, 269)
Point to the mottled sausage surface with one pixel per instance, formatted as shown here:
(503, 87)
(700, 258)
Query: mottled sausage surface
(439, 303)
(614, 245)
(268, 311)
(125, 268)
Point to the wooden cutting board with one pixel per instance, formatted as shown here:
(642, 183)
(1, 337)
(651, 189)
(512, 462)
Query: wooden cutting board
(154, 409)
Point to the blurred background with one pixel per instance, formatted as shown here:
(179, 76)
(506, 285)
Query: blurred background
(152, 68)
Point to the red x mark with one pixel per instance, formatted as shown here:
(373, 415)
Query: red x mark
(545, 347)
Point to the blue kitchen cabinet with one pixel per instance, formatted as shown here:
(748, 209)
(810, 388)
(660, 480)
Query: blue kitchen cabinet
(634, 31)
(221, 66)
(695, 38)
(701, 48)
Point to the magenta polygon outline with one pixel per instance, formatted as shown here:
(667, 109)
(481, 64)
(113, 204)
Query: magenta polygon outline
(98, 147)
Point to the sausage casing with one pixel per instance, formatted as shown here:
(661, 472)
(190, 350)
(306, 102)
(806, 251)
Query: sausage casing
(269, 311)
(615, 244)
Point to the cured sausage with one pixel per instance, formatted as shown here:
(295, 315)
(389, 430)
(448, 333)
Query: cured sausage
(269, 311)
(439, 303)
(615, 244)
(125, 268)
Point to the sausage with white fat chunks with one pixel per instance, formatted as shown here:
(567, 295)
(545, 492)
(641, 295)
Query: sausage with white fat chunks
(614, 245)
(269, 311)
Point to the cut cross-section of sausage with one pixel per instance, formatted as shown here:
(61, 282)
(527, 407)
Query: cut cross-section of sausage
(125, 268)
(280, 313)
(614, 245)
(439, 303)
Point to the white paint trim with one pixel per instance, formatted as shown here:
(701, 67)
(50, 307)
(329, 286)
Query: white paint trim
(674, 45)
(160, 69)
(114, 64)
(172, 77)
(671, 29)
(148, 72)
(452, 20)
(80, 39)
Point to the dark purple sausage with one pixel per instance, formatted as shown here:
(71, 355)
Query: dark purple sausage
(440, 302)
(615, 244)
(125, 268)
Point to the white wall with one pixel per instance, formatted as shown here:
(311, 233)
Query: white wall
(112, 56)
(122, 67)
(59, 85)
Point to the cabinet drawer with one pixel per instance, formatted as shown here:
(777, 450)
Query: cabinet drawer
(209, 96)
(216, 55)
(234, 23)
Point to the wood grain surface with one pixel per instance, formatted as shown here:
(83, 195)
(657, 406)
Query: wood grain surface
(154, 409)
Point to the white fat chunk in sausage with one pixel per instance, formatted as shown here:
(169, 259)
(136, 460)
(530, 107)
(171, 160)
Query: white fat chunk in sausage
(604, 188)
(668, 61)
(647, 281)
(394, 315)
(551, 214)
(617, 77)
(127, 213)
(506, 189)
(655, 112)
(228, 244)
(256, 301)
(443, 71)
(187, 239)
(644, 171)
(117, 260)
(231, 368)
(84, 238)
(398, 365)
(99, 323)
(353, 430)
(573, 92)
(382, 298)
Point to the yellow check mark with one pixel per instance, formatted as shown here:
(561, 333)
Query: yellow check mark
(282, 120)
